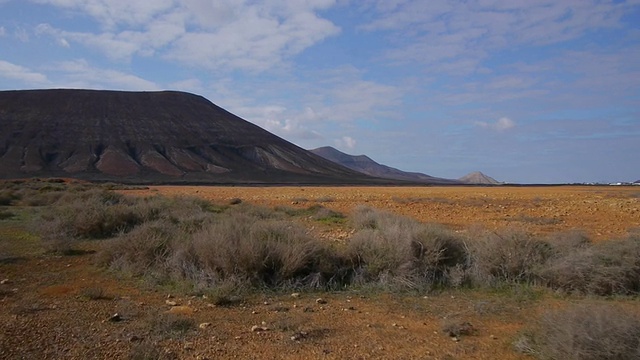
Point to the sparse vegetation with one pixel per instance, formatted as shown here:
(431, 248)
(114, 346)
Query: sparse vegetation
(170, 326)
(205, 245)
(242, 258)
(5, 214)
(149, 351)
(584, 332)
(394, 250)
(605, 268)
(510, 256)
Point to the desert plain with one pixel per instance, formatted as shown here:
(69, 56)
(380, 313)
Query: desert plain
(64, 307)
(603, 212)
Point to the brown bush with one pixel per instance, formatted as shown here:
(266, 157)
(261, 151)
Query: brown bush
(229, 248)
(143, 251)
(395, 250)
(510, 256)
(584, 332)
(4, 214)
(269, 252)
(7, 197)
(606, 268)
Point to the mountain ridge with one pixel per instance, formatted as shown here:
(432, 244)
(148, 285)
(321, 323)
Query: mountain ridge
(368, 166)
(164, 136)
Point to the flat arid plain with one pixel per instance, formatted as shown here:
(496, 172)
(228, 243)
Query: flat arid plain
(603, 212)
(68, 306)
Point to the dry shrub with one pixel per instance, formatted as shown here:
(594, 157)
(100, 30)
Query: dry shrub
(233, 248)
(457, 328)
(7, 197)
(327, 216)
(93, 214)
(95, 293)
(510, 256)
(4, 214)
(568, 241)
(606, 268)
(267, 252)
(365, 217)
(100, 214)
(398, 251)
(143, 251)
(584, 332)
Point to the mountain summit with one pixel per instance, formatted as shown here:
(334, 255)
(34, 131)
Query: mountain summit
(163, 136)
(478, 178)
(366, 165)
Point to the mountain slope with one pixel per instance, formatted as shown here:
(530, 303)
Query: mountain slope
(366, 165)
(478, 178)
(147, 137)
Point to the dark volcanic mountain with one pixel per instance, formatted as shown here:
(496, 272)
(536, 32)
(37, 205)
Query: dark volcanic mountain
(478, 178)
(365, 165)
(147, 137)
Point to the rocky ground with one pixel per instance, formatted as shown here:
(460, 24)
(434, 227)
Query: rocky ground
(63, 307)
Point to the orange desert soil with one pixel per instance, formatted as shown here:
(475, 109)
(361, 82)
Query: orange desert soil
(45, 313)
(603, 212)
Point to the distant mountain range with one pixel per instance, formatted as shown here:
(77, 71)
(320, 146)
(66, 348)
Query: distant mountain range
(167, 137)
(366, 165)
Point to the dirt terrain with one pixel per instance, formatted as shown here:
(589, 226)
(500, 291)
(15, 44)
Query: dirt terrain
(603, 212)
(62, 307)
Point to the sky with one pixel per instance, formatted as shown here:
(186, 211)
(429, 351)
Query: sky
(526, 91)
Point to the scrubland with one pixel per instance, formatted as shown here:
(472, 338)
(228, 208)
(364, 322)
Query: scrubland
(210, 272)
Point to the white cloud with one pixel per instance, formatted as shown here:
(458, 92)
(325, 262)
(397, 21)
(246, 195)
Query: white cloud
(502, 124)
(22, 35)
(306, 112)
(79, 74)
(17, 72)
(438, 32)
(3, 32)
(111, 13)
(345, 142)
(218, 35)
(279, 120)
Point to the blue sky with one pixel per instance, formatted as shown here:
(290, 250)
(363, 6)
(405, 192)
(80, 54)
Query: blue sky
(533, 91)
